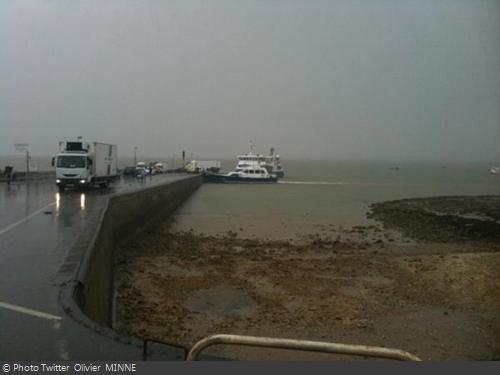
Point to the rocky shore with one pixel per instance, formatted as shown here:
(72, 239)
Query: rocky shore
(442, 219)
(425, 278)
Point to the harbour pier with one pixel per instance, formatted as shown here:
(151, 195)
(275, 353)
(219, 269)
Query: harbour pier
(56, 262)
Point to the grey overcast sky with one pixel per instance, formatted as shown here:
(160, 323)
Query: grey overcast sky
(335, 79)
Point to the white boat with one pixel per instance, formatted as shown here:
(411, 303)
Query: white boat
(244, 175)
(271, 162)
(495, 170)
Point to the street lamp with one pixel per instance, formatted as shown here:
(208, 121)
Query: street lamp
(135, 156)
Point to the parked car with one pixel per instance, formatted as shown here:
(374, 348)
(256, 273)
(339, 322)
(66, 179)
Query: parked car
(141, 172)
(130, 172)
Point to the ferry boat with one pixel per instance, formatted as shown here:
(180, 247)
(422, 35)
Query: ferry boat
(271, 162)
(248, 175)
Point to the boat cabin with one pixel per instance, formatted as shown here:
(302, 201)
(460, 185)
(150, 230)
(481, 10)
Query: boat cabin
(251, 172)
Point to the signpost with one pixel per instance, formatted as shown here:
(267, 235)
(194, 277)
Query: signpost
(24, 147)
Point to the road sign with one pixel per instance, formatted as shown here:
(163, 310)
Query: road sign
(22, 147)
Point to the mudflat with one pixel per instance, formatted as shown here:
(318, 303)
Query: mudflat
(425, 278)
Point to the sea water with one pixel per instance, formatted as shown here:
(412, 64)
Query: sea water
(322, 196)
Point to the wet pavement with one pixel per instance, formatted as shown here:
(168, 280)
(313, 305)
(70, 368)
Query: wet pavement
(38, 227)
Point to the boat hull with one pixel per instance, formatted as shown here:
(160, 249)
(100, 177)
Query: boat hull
(224, 179)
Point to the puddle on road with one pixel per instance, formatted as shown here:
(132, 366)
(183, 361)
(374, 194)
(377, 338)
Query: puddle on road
(221, 300)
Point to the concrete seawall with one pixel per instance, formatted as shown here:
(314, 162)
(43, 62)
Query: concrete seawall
(33, 176)
(90, 264)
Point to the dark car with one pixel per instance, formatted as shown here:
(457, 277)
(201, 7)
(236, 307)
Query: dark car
(130, 171)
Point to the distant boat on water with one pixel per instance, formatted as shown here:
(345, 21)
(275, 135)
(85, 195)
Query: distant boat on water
(495, 170)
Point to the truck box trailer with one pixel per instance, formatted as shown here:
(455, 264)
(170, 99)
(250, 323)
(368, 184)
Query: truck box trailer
(199, 166)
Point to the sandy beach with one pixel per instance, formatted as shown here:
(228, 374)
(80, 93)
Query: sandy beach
(424, 278)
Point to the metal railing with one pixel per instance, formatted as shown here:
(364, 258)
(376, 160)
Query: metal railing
(303, 345)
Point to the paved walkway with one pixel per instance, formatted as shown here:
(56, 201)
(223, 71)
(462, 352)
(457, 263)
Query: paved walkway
(37, 228)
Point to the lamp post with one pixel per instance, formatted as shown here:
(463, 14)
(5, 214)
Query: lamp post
(135, 156)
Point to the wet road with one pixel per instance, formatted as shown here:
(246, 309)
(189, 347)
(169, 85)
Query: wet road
(38, 227)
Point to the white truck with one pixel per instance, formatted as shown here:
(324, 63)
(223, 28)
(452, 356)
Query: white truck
(199, 166)
(80, 164)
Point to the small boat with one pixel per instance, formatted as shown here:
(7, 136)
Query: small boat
(249, 175)
(495, 170)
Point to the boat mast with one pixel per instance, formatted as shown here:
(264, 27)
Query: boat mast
(251, 146)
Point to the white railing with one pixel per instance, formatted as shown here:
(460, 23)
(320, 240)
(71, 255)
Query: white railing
(303, 345)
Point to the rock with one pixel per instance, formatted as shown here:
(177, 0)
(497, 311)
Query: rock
(238, 249)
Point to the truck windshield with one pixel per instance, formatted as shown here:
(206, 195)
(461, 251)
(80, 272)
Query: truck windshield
(71, 161)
